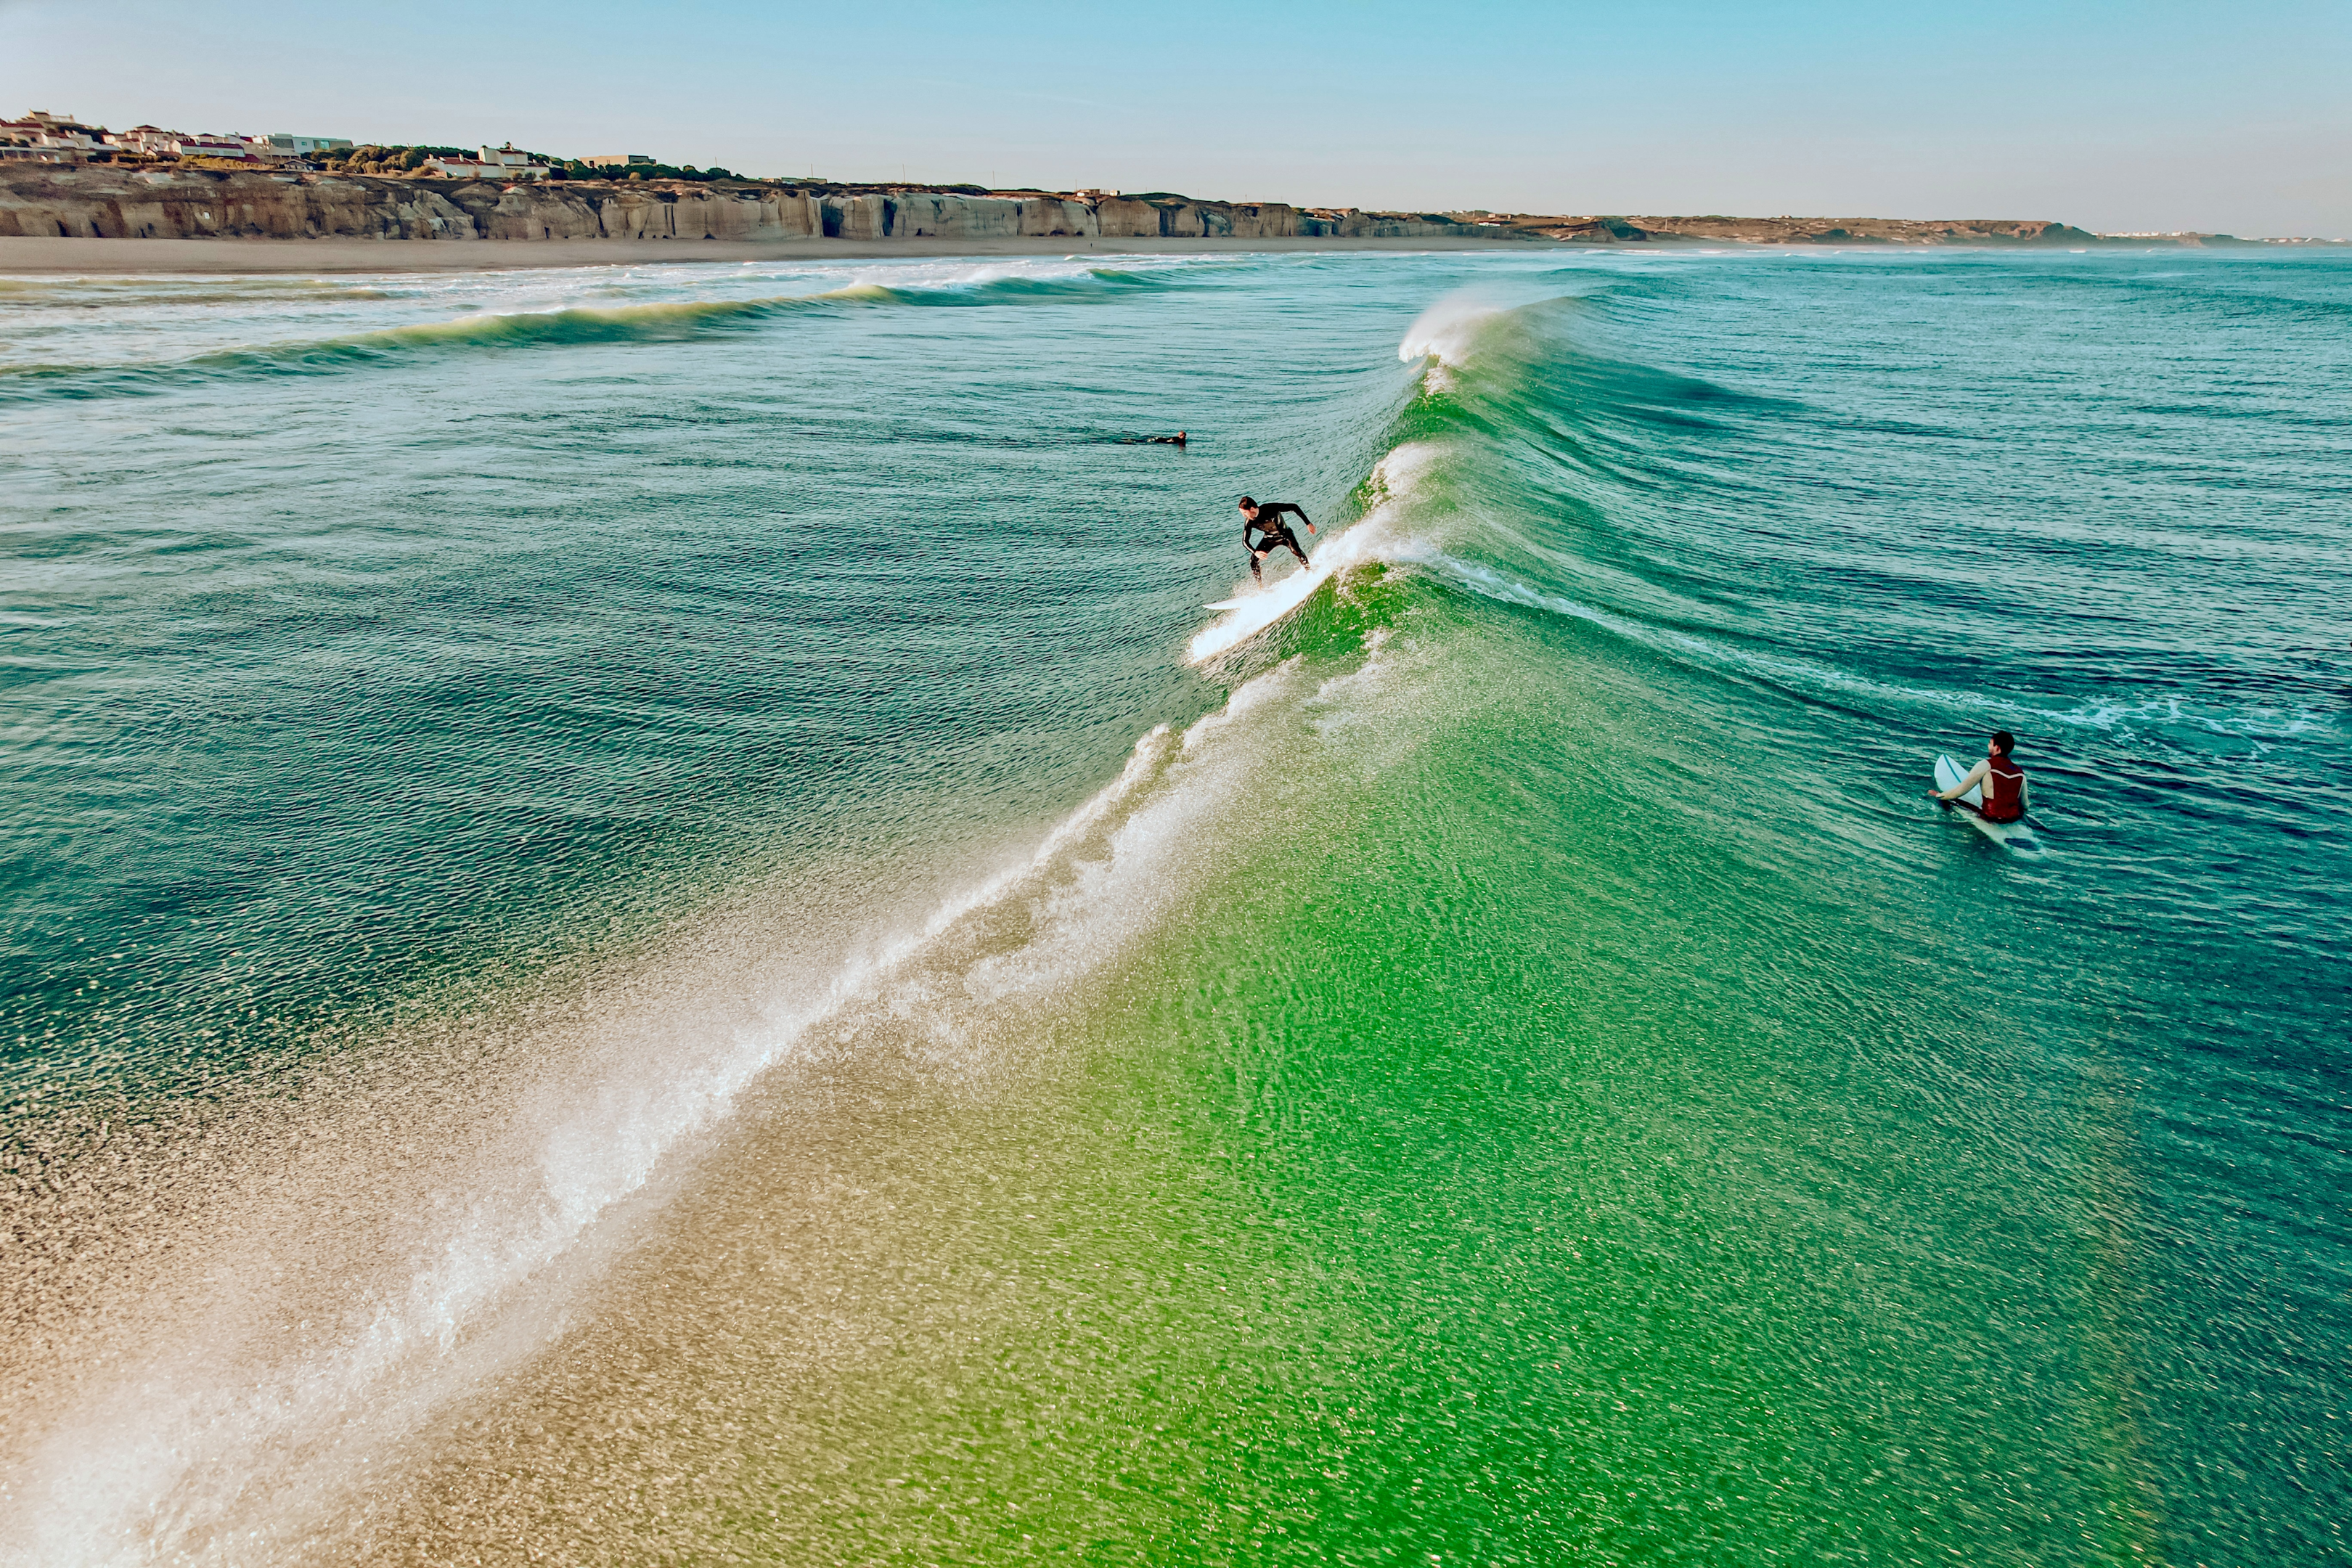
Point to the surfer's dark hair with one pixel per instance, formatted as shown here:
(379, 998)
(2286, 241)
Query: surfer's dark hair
(1248, 501)
(2005, 741)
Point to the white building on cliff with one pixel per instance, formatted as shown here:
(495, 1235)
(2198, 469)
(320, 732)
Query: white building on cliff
(207, 144)
(494, 163)
(280, 144)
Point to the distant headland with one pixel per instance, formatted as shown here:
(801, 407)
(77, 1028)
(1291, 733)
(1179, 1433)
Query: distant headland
(60, 179)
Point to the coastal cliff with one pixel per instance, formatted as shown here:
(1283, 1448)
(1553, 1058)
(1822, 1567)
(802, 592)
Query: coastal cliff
(112, 202)
(118, 202)
(100, 201)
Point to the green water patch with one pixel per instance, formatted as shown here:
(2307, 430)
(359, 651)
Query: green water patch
(1337, 619)
(1474, 1165)
(1538, 1187)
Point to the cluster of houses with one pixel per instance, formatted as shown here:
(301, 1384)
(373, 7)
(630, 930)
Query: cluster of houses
(44, 138)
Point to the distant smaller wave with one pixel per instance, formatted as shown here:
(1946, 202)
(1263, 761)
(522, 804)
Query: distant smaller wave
(323, 356)
(667, 321)
(169, 289)
(1095, 283)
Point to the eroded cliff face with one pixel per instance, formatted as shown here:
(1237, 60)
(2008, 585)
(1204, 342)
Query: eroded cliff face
(112, 202)
(106, 202)
(103, 202)
(1351, 224)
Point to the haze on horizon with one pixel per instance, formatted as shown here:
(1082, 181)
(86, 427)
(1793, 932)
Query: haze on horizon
(2112, 115)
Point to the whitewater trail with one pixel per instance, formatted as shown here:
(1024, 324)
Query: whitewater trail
(205, 1440)
(181, 1445)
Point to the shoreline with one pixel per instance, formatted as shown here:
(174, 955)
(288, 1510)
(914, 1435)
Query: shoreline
(41, 254)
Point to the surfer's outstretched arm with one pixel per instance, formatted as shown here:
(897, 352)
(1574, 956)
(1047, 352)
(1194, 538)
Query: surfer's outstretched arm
(1976, 776)
(1276, 509)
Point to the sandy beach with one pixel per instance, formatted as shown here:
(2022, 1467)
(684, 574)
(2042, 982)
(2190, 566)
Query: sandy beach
(38, 255)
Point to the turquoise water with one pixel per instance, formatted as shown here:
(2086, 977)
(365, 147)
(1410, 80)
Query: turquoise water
(645, 921)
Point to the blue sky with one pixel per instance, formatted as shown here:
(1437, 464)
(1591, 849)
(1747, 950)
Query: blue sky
(2114, 115)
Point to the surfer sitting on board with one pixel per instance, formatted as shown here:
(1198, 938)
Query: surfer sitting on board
(1273, 534)
(2003, 781)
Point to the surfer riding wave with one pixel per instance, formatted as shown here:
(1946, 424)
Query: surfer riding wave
(1266, 521)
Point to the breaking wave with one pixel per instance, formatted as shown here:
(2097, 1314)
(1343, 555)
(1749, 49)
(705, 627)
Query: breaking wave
(1526, 442)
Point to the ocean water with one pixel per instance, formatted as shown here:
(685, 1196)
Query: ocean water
(643, 920)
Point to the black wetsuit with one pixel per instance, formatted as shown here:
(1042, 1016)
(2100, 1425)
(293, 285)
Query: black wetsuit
(1277, 533)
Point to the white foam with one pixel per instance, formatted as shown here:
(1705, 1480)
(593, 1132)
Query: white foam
(213, 1443)
(1339, 691)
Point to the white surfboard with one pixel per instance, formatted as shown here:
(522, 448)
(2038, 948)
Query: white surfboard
(1253, 613)
(2015, 835)
(1254, 594)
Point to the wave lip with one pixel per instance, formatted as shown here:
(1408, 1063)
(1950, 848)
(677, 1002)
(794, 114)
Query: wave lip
(1445, 329)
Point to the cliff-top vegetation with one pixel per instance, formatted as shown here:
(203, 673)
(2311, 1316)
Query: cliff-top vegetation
(576, 170)
(376, 160)
(396, 161)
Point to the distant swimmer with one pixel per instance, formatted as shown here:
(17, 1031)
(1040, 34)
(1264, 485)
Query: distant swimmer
(1175, 440)
(1273, 534)
(2003, 781)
